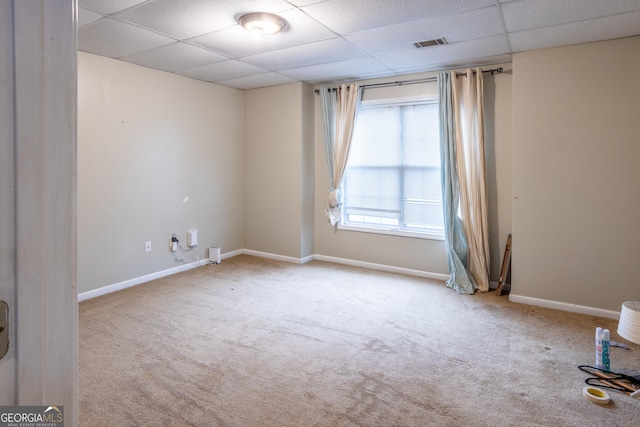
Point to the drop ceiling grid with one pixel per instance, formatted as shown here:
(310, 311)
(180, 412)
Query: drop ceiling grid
(528, 15)
(236, 42)
(116, 39)
(303, 55)
(108, 7)
(471, 49)
(592, 30)
(185, 19)
(174, 57)
(222, 70)
(352, 16)
(86, 16)
(349, 69)
(261, 80)
(339, 39)
(465, 26)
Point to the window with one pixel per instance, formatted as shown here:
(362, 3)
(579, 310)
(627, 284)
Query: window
(392, 184)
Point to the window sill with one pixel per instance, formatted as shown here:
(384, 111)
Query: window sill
(392, 232)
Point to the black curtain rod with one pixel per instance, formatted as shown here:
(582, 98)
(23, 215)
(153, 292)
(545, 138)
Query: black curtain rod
(416, 81)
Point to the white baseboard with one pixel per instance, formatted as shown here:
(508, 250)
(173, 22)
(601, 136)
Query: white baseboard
(138, 280)
(307, 259)
(556, 305)
(277, 257)
(350, 262)
(383, 267)
(149, 277)
(231, 254)
(563, 306)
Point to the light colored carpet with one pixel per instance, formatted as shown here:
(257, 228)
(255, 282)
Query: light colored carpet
(254, 342)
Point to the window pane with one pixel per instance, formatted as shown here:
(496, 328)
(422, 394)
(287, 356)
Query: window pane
(421, 135)
(423, 216)
(393, 179)
(373, 191)
(375, 140)
(422, 183)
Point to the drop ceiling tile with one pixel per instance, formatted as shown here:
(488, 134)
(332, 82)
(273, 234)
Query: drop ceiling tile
(471, 50)
(458, 65)
(379, 34)
(352, 78)
(86, 17)
(221, 71)
(173, 57)
(478, 23)
(304, 55)
(610, 27)
(530, 14)
(304, 2)
(184, 19)
(350, 16)
(116, 39)
(108, 7)
(256, 81)
(237, 42)
(350, 69)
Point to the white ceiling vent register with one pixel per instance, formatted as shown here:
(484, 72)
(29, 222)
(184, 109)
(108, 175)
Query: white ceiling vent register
(427, 43)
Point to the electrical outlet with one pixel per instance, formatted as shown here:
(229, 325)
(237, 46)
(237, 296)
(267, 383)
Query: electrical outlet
(147, 246)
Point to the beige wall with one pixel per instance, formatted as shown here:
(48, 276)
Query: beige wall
(308, 171)
(147, 141)
(498, 145)
(561, 149)
(278, 165)
(576, 146)
(251, 164)
(423, 254)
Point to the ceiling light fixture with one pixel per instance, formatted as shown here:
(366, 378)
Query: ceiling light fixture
(262, 24)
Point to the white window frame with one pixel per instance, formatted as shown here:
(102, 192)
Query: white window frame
(380, 228)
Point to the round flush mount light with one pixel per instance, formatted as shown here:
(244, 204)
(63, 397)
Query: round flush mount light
(262, 24)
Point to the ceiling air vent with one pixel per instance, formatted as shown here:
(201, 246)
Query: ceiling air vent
(427, 43)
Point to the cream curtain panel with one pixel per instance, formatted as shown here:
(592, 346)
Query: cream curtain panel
(340, 110)
(460, 279)
(470, 160)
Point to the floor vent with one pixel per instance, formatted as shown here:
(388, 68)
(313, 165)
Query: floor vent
(427, 43)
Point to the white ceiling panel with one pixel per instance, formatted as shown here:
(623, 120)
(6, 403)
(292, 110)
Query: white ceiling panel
(86, 17)
(454, 28)
(339, 40)
(221, 71)
(304, 2)
(173, 57)
(472, 49)
(455, 65)
(303, 55)
(189, 18)
(351, 16)
(610, 27)
(530, 14)
(348, 78)
(340, 70)
(116, 39)
(108, 7)
(256, 81)
(236, 41)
